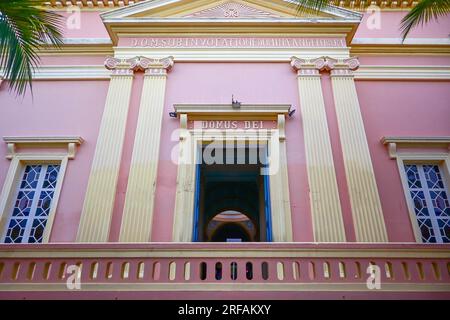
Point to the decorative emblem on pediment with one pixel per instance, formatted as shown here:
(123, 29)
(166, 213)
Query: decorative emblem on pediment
(232, 10)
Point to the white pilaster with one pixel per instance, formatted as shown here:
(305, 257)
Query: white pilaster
(365, 200)
(185, 190)
(326, 210)
(139, 201)
(101, 190)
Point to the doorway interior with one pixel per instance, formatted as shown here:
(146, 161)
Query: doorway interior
(232, 199)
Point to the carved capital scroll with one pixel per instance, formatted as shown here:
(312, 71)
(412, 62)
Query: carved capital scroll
(342, 67)
(309, 67)
(122, 66)
(156, 66)
(129, 66)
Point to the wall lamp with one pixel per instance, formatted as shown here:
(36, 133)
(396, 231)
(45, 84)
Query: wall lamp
(291, 112)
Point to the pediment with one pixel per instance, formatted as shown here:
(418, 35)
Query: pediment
(233, 10)
(225, 9)
(228, 17)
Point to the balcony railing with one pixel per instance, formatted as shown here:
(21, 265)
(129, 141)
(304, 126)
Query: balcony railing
(216, 267)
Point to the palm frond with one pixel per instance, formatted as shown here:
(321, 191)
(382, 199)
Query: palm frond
(308, 6)
(24, 28)
(422, 13)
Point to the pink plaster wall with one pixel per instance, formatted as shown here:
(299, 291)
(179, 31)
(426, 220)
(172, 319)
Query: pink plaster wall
(58, 108)
(75, 108)
(398, 111)
(127, 152)
(250, 83)
(63, 60)
(390, 25)
(90, 25)
(400, 108)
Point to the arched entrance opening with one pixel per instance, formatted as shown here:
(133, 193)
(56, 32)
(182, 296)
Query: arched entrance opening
(231, 226)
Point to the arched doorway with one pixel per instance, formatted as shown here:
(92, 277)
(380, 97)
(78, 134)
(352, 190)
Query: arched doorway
(231, 226)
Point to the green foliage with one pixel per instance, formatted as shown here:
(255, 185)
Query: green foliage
(422, 13)
(24, 28)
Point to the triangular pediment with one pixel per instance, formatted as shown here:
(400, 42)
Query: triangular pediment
(226, 9)
(228, 17)
(233, 10)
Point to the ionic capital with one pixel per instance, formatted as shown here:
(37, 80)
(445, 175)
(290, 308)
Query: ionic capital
(342, 67)
(129, 66)
(122, 66)
(312, 67)
(156, 66)
(308, 67)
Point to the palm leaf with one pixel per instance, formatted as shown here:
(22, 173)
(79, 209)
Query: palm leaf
(422, 13)
(307, 6)
(24, 28)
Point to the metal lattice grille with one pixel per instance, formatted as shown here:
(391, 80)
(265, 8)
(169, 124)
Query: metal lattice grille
(429, 198)
(31, 208)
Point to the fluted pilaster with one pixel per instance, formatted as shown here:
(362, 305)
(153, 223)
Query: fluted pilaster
(279, 185)
(326, 209)
(139, 201)
(365, 201)
(101, 190)
(185, 190)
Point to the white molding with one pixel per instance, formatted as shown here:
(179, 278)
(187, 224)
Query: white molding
(416, 140)
(87, 41)
(69, 142)
(227, 109)
(227, 287)
(402, 73)
(68, 72)
(399, 41)
(41, 140)
(237, 21)
(394, 142)
(72, 73)
(188, 153)
(355, 41)
(367, 72)
(232, 55)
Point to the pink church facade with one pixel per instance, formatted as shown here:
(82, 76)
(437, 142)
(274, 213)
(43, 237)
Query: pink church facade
(121, 176)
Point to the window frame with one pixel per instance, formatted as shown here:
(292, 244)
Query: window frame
(24, 150)
(12, 181)
(421, 158)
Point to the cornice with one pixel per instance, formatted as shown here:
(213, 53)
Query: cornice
(417, 140)
(381, 72)
(69, 142)
(397, 50)
(227, 109)
(365, 72)
(393, 143)
(43, 140)
(388, 48)
(355, 5)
